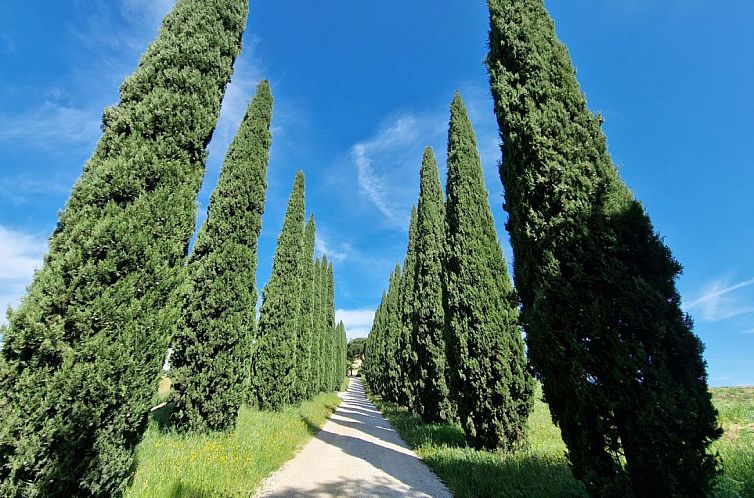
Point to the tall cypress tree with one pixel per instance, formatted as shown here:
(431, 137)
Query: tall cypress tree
(621, 367)
(217, 300)
(373, 367)
(320, 325)
(393, 326)
(490, 380)
(405, 393)
(340, 363)
(307, 335)
(83, 352)
(275, 362)
(429, 377)
(332, 343)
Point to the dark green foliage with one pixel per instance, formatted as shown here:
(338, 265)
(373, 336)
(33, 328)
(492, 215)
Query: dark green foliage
(307, 335)
(405, 393)
(382, 365)
(83, 352)
(217, 300)
(333, 380)
(275, 364)
(491, 384)
(356, 350)
(318, 357)
(622, 369)
(340, 337)
(429, 377)
(372, 370)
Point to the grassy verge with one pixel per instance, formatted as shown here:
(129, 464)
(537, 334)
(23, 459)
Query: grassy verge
(736, 407)
(173, 465)
(542, 470)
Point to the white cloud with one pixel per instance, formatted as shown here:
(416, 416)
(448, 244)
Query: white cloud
(716, 302)
(358, 322)
(246, 75)
(150, 10)
(387, 163)
(20, 254)
(402, 133)
(51, 124)
(322, 247)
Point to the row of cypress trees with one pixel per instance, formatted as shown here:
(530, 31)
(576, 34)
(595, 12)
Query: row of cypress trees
(620, 365)
(299, 350)
(83, 352)
(621, 368)
(446, 341)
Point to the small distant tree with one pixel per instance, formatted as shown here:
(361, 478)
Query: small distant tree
(356, 351)
(491, 384)
(275, 362)
(217, 299)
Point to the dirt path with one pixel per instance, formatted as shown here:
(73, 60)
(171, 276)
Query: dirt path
(356, 454)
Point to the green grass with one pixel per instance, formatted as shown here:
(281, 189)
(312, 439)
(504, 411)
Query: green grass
(736, 447)
(173, 465)
(542, 470)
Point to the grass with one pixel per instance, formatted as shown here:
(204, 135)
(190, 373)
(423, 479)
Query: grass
(736, 447)
(174, 465)
(542, 470)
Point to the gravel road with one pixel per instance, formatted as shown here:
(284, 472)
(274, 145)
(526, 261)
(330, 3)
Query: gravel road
(356, 454)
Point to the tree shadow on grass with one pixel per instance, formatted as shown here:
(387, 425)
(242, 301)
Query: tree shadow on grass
(483, 474)
(183, 490)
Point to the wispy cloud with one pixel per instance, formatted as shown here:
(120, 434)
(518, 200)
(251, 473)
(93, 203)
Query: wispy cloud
(51, 124)
(399, 134)
(20, 254)
(358, 322)
(387, 163)
(323, 247)
(716, 302)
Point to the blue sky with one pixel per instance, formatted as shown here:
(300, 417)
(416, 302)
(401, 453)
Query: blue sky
(361, 87)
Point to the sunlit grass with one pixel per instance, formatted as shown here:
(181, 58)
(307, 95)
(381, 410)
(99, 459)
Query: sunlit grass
(173, 465)
(736, 447)
(542, 470)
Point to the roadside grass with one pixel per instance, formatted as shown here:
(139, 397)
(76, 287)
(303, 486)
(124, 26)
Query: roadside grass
(542, 470)
(736, 447)
(174, 465)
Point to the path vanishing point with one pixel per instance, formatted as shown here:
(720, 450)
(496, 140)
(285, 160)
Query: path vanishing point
(356, 454)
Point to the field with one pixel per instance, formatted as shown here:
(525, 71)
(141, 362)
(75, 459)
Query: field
(229, 465)
(542, 470)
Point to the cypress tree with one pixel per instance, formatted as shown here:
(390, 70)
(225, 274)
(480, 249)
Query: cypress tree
(341, 363)
(307, 335)
(393, 326)
(217, 300)
(330, 330)
(373, 366)
(429, 377)
(321, 326)
(275, 362)
(83, 352)
(491, 383)
(621, 368)
(406, 356)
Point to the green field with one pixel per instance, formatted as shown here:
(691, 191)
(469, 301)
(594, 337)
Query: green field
(542, 470)
(173, 465)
